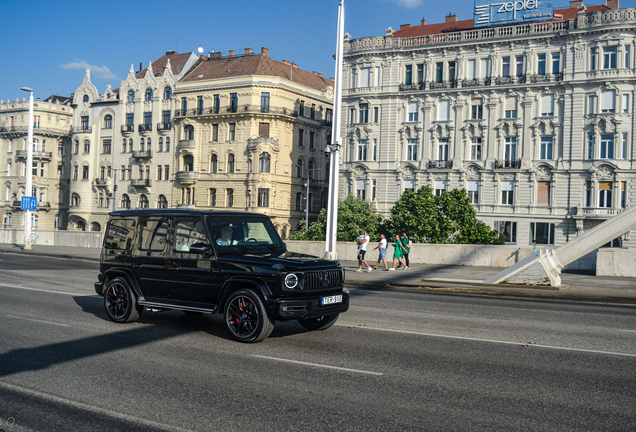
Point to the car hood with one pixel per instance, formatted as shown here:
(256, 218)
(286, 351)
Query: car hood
(288, 261)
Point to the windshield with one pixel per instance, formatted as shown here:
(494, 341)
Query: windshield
(244, 235)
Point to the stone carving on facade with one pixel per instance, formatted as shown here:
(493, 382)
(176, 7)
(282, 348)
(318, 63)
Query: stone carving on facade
(543, 172)
(408, 172)
(605, 172)
(359, 171)
(474, 129)
(508, 128)
(606, 124)
(545, 127)
(441, 130)
(472, 172)
(360, 133)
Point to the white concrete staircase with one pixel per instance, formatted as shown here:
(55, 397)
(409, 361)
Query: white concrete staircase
(544, 267)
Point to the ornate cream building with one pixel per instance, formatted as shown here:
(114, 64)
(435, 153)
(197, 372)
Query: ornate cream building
(50, 170)
(535, 120)
(251, 133)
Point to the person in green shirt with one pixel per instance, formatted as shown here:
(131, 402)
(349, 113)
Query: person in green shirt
(406, 245)
(399, 251)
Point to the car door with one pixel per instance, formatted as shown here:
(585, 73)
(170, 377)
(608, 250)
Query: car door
(149, 262)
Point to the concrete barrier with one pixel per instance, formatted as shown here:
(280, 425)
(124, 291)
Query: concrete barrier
(616, 262)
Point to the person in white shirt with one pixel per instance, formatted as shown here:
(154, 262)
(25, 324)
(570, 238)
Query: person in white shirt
(382, 258)
(362, 249)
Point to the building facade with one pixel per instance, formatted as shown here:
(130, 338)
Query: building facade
(50, 177)
(535, 120)
(251, 135)
(122, 143)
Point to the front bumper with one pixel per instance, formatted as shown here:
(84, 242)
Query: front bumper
(306, 307)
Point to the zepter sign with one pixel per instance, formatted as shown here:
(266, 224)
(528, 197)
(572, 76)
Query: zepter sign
(488, 12)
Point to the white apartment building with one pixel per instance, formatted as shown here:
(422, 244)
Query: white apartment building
(122, 143)
(535, 119)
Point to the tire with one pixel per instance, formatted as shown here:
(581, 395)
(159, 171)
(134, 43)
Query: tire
(320, 323)
(120, 302)
(246, 318)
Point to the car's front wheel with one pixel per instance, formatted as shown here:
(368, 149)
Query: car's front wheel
(120, 302)
(320, 323)
(246, 318)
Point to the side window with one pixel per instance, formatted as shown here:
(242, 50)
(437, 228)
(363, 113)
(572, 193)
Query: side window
(119, 234)
(153, 234)
(188, 232)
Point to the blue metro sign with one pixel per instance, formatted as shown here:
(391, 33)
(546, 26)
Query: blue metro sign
(29, 203)
(494, 12)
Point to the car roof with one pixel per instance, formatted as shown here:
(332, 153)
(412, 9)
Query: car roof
(182, 212)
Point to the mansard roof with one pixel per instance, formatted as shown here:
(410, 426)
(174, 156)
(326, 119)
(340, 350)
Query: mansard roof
(254, 64)
(177, 63)
(430, 29)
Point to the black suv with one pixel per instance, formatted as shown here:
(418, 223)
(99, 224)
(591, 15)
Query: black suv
(228, 262)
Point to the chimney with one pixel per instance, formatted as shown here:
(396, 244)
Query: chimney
(248, 51)
(574, 4)
(423, 22)
(612, 4)
(216, 55)
(294, 65)
(404, 25)
(320, 75)
(140, 68)
(285, 62)
(315, 73)
(451, 18)
(265, 51)
(170, 52)
(230, 54)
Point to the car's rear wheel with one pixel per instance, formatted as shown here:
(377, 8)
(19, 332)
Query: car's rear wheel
(246, 318)
(320, 323)
(120, 302)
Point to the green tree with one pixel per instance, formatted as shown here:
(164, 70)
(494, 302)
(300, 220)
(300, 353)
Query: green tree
(354, 215)
(447, 218)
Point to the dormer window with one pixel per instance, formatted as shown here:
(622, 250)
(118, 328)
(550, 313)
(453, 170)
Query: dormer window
(131, 96)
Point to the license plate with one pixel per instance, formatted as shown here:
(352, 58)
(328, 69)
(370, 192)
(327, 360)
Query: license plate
(331, 300)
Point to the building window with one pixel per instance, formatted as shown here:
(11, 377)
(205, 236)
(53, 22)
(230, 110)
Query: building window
(442, 149)
(477, 109)
(108, 121)
(162, 202)
(84, 123)
(590, 146)
(263, 197)
(364, 113)
(547, 105)
(591, 104)
(184, 105)
(312, 140)
(213, 164)
(507, 230)
(263, 130)
(472, 187)
(541, 64)
(312, 111)
(556, 66)
(543, 193)
(546, 148)
(588, 194)
(233, 102)
(200, 105)
(608, 104)
(143, 202)
(301, 135)
(623, 195)
(365, 75)
(374, 184)
(8, 219)
(505, 72)
(165, 119)
(626, 51)
(159, 172)
(411, 150)
(361, 189)
(507, 192)
(408, 77)
(607, 146)
(413, 108)
(130, 119)
(232, 135)
(166, 172)
(217, 103)
(215, 132)
(510, 107)
(125, 201)
(147, 118)
(263, 162)
(475, 149)
(212, 198)
(167, 94)
(299, 168)
(443, 110)
(87, 147)
(624, 145)
(376, 114)
(510, 149)
(106, 147)
(625, 103)
(451, 71)
(519, 63)
(229, 198)
(593, 58)
(85, 172)
(160, 147)
(75, 200)
(542, 233)
(299, 201)
(439, 72)
(408, 185)
(363, 146)
(131, 96)
(264, 102)
(605, 194)
(609, 57)
(142, 144)
(230, 163)
(375, 149)
(148, 95)
(440, 187)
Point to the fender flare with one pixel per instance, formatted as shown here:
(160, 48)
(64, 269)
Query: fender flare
(127, 274)
(237, 283)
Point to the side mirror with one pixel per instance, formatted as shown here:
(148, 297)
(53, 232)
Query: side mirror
(200, 248)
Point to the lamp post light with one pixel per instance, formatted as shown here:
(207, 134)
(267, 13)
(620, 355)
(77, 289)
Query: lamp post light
(29, 170)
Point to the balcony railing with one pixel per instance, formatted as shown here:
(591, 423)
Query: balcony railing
(142, 154)
(597, 211)
(187, 143)
(140, 182)
(128, 128)
(440, 164)
(100, 182)
(502, 164)
(164, 126)
(411, 87)
(187, 175)
(145, 127)
(81, 129)
(22, 154)
(240, 109)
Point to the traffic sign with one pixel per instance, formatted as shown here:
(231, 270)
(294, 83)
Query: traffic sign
(29, 203)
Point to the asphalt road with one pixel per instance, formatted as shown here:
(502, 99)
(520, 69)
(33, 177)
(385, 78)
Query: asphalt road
(398, 360)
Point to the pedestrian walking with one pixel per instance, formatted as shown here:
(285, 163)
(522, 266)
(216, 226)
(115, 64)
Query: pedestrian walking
(399, 251)
(362, 249)
(406, 246)
(382, 249)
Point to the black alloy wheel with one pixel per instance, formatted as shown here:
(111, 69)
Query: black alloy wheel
(246, 317)
(320, 323)
(120, 302)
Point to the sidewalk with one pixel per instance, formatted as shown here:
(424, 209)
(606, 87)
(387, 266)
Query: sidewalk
(449, 278)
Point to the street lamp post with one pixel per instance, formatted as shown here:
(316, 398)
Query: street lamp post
(29, 170)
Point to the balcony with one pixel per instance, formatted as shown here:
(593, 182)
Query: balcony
(440, 164)
(187, 144)
(22, 154)
(187, 177)
(240, 109)
(81, 129)
(127, 128)
(480, 82)
(596, 212)
(145, 128)
(100, 182)
(164, 126)
(508, 164)
(411, 87)
(443, 85)
(142, 154)
(140, 182)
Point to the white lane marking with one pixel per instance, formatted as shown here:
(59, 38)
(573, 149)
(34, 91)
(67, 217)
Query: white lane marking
(526, 344)
(48, 291)
(317, 365)
(40, 321)
(92, 408)
(633, 331)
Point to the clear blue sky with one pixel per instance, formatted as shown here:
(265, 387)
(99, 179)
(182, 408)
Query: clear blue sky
(46, 44)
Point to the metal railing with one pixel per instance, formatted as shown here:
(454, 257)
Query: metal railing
(145, 127)
(187, 175)
(140, 183)
(236, 110)
(164, 126)
(501, 164)
(187, 143)
(142, 154)
(36, 154)
(440, 164)
(82, 129)
(128, 128)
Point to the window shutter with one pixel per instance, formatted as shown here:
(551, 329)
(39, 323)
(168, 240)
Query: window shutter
(472, 185)
(443, 108)
(507, 185)
(409, 184)
(475, 102)
(510, 104)
(471, 69)
(263, 130)
(607, 100)
(547, 102)
(440, 184)
(364, 77)
(543, 193)
(605, 185)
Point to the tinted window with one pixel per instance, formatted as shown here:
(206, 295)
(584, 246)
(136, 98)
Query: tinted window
(250, 234)
(187, 233)
(119, 234)
(153, 234)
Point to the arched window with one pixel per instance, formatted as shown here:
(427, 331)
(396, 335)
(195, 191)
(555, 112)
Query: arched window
(125, 201)
(213, 164)
(188, 132)
(75, 200)
(8, 219)
(310, 170)
(87, 146)
(143, 202)
(148, 95)
(149, 148)
(108, 121)
(299, 168)
(81, 226)
(142, 145)
(35, 220)
(123, 146)
(188, 163)
(263, 162)
(162, 203)
(130, 145)
(230, 164)
(86, 98)
(160, 144)
(95, 226)
(131, 96)
(167, 144)
(167, 93)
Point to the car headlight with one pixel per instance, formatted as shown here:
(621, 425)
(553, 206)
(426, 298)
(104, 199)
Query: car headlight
(291, 281)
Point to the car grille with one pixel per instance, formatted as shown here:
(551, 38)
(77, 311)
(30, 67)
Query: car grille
(322, 280)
